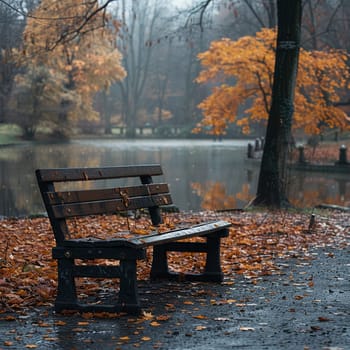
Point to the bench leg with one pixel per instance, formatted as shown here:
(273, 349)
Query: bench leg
(159, 263)
(213, 272)
(128, 296)
(66, 291)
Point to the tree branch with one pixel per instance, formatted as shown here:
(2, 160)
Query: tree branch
(71, 32)
(200, 8)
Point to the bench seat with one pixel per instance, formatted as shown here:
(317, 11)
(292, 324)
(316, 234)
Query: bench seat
(63, 205)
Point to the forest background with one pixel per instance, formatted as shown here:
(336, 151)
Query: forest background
(127, 75)
(148, 65)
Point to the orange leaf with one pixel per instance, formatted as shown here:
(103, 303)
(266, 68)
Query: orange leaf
(162, 318)
(126, 338)
(323, 319)
(200, 317)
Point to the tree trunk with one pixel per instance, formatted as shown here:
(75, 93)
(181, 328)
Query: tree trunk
(106, 113)
(272, 191)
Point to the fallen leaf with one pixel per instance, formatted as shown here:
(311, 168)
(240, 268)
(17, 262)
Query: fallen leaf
(147, 315)
(50, 338)
(44, 325)
(200, 317)
(246, 250)
(323, 319)
(10, 318)
(221, 319)
(162, 318)
(245, 329)
(126, 338)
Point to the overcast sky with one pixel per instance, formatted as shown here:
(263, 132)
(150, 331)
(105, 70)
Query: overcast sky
(181, 3)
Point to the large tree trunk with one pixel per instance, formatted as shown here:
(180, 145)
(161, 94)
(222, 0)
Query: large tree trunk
(272, 191)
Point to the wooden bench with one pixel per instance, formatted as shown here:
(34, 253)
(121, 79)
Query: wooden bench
(103, 198)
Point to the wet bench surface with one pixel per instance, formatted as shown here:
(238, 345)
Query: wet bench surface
(100, 198)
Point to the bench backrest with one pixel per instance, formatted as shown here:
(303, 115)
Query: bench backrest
(100, 198)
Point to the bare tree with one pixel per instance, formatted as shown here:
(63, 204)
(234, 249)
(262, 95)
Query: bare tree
(139, 19)
(11, 27)
(323, 24)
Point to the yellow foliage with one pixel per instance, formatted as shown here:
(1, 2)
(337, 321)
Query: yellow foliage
(219, 108)
(214, 196)
(58, 37)
(249, 63)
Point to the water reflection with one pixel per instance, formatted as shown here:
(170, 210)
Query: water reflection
(309, 189)
(214, 195)
(202, 174)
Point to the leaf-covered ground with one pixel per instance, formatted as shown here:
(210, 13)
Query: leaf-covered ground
(324, 153)
(256, 240)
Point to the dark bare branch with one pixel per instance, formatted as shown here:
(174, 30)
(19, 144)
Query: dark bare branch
(81, 25)
(199, 9)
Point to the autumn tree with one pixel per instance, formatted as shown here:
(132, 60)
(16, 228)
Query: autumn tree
(89, 62)
(326, 24)
(249, 62)
(272, 184)
(35, 98)
(265, 76)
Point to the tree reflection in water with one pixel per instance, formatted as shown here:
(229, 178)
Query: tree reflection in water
(202, 174)
(310, 192)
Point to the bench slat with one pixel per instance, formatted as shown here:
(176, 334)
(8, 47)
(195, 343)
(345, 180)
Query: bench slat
(105, 194)
(85, 174)
(109, 206)
(202, 229)
(95, 200)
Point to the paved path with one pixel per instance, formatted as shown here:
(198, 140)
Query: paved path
(307, 306)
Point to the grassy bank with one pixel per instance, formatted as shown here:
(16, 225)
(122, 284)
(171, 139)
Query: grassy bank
(9, 134)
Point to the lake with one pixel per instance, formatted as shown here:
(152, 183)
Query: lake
(202, 174)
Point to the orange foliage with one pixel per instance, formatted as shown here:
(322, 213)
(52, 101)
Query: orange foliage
(28, 273)
(242, 74)
(214, 196)
(83, 59)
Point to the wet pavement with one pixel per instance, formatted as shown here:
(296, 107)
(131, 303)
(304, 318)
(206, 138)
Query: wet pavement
(305, 306)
